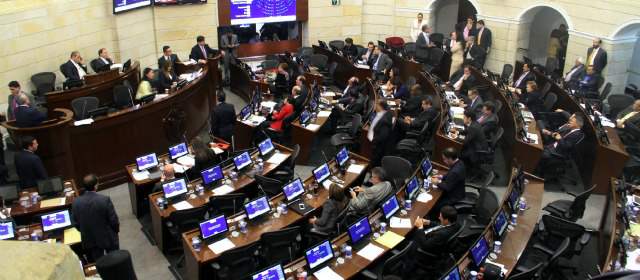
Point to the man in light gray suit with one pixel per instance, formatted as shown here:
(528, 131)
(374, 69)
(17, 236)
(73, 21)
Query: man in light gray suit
(380, 63)
(229, 43)
(364, 200)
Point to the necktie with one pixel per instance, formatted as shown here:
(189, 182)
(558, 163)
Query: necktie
(480, 35)
(520, 79)
(204, 53)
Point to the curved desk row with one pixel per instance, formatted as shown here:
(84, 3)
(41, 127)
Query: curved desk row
(112, 141)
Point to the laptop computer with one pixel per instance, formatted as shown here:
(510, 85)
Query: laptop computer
(266, 148)
(479, 251)
(453, 274)
(412, 188)
(322, 173)
(245, 113)
(305, 117)
(426, 168)
(293, 192)
(50, 187)
(319, 256)
(342, 158)
(175, 190)
(178, 150)
(500, 224)
(212, 177)
(272, 273)
(359, 233)
(257, 209)
(241, 161)
(514, 197)
(149, 163)
(55, 222)
(213, 229)
(7, 231)
(390, 207)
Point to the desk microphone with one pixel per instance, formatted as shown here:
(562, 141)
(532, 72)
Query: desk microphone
(325, 157)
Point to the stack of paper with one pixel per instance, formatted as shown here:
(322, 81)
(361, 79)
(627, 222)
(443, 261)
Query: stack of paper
(187, 160)
(140, 175)
(324, 114)
(390, 239)
(277, 158)
(396, 222)
(328, 94)
(71, 236)
(222, 190)
(533, 137)
(355, 168)
(313, 127)
(424, 197)
(182, 205)
(221, 246)
(370, 252)
(217, 150)
(52, 202)
(83, 122)
(327, 273)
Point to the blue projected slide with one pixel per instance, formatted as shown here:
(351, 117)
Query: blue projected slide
(126, 5)
(262, 11)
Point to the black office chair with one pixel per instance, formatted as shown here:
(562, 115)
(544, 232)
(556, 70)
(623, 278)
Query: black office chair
(487, 157)
(478, 216)
(181, 221)
(412, 147)
(556, 167)
(617, 103)
(228, 204)
(567, 209)
(549, 260)
(281, 246)
(94, 65)
(284, 136)
(507, 69)
(237, 263)
(122, 97)
(549, 101)
(545, 89)
(286, 172)
(397, 264)
(116, 265)
(350, 138)
(44, 83)
(532, 273)
(9, 193)
(618, 275)
(83, 105)
(397, 169)
(329, 78)
(436, 263)
(314, 236)
(269, 64)
(337, 44)
(435, 59)
(304, 53)
(270, 186)
(410, 49)
(319, 61)
(471, 197)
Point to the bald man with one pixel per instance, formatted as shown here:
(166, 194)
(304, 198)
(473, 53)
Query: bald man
(27, 116)
(74, 69)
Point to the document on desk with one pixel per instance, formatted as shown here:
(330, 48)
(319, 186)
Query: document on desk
(115, 66)
(328, 94)
(71, 236)
(217, 150)
(370, 252)
(326, 184)
(222, 190)
(327, 273)
(533, 137)
(221, 246)
(363, 66)
(424, 197)
(313, 127)
(83, 122)
(355, 168)
(140, 175)
(390, 239)
(396, 222)
(324, 114)
(182, 205)
(186, 161)
(160, 96)
(52, 202)
(257, 119)
(277, 158)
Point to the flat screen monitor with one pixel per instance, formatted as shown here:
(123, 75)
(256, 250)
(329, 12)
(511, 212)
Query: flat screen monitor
(479, 251)
(359, 230)
(514, 196)
(313, 104)
(56, 220)
(293, 190)
(147, 161)
(412, 187)
(174, 188)
(390, 207)
(500, 225)
(212, 175)
(305, 117)
(127, 5)
(242, 160)
(6, 231)
(319, 254)
(257, 208)
(214, 227)
(178, 150)
(322, 173)
(262, 11)
(50, 186)
(245, 112)
(453, 274)
(273, 273)
(266, 147)
(342, 156)
(426, 167)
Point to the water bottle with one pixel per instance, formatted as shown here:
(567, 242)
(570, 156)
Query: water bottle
(407, 205)
(347, 252)
(497, 247)
(383, 227)
(233, 175)
(473, 275)
(243, 226)
(514, 219)
(284, 209)
(200, 189)
(523, 204)
(196, 243)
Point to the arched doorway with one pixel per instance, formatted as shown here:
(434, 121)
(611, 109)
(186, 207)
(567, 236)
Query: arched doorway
(448, 13)
(628, 41)
(543, 36)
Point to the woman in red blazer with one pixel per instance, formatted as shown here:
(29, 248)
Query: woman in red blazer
(278, 116)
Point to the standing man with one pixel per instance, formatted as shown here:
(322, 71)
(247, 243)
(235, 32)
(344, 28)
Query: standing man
(230, 45)
(73, 69)
(380, 64)
(26, 115)
(596, 56)
(103, 62)
(483, 39)
(223, 118)
(96, 219)
(474, 55)
(380, 132)
(15, 92)
(423, 43)
(451, 184)
(29, 165)
(201, 51)
(168, 55)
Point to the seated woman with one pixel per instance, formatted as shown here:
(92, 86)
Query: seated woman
(203, 155)
(146, 86)
(337, 201)
(167, 77)
(278, 116)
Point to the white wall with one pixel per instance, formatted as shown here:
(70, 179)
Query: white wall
(634, 66)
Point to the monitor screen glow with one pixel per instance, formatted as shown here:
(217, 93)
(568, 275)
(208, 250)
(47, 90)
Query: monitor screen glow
(412, 187)
(322, 173)
(262, 11)
(213, 227)
(245, 112)
(265, 146)
(293, 190)
(126, 5)
(454, 274)
(178, 150)
(272, 273)
(174, 188)
(212, 175)
(390, 207)
(305, 116)
(342, 156)
(257, 207)
(319, 254)
(55, 220)
(359, 230)
(501, 223)
(479, 251)
(6, 231)
(426, 168)
(147, 161)
(242, 160)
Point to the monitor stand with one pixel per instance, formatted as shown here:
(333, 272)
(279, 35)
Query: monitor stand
(154, 173)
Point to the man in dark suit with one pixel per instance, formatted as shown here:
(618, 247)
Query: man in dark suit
(299, 99)
(483, 38)
(428, 114)
(380, 64)
(596, 56)
(474, 55)
(351, 92)
(103, 62)
(589, 82)
(463, 81)
(423, 44)
(475, 101)
(575, 75)
(532, 98)
(434, 239)
(28, 165)
(168, 55)
(73, 69)
(201, 51)
(379, 132)
(565, 141)
(413, 105)
(349, 50)
(223, 118)
(488, 120)
(27, 116)
(96, 219)
(474, 141)
(520, 84)
(451, 184)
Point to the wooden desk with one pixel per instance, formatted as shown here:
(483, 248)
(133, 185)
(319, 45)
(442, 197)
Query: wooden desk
(610, 229)
(345, 69)
(99, 85)
(197, 262)
(27, 215)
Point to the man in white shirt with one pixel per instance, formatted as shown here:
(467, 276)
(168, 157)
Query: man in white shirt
(73, 69)
(103, 62)
(573, 77)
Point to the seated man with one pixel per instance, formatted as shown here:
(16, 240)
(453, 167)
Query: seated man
(168, 55)
(349, 50)
(589, 82)
(73, 69)
(103, 62)
(520, 84)
(27, 116)
(434, 239)
(628, 122)
(351, 92)
(29, 166)
(566, 139)
(365, 199)
(475, 101)
(463, 81)
(397, 90)
(474, 141)
(488, 120)
(451, 184)
(14, 94)
(575, 75)
(298, 99)
(413, 105)
(429, 113)
(532, 98)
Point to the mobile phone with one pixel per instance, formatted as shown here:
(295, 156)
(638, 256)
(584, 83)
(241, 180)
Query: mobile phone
(301, 206)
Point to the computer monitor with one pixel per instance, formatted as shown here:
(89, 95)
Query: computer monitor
(266, 147)
(319, 255)
(412, 187)
(242, 160)
(359, 230)
(479, 251)
(426, 167)
(50, 186)
(257, 208)
(293, 190)
(212, 175)
(322, 173)
(313, 104)
(342, 156)
(174, 188)
(500, 224)
(6, 231)
(305, 117)
(453, 274)
(55, 220)
(390, 207)
(178, 150)
(514, 196)
(245, 112)
(212, 228)
(147, 161)
(273, 273)
(126, 65)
